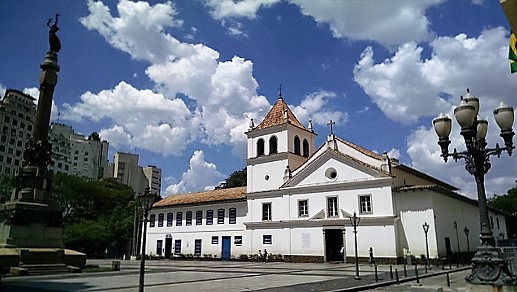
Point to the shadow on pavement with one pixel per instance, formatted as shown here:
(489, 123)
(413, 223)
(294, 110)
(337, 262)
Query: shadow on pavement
(35, 285)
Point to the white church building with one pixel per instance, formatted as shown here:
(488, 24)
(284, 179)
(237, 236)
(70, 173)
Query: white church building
(299, 203)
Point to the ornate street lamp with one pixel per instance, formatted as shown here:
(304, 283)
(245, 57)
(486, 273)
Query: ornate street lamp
(466, 230)
(146, 201)
(355, 222)
(426, 229)
(488, 266)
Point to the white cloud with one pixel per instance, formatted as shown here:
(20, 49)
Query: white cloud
(2, 90)
(406, 87)
(191, 35)
(316, 107)
(394, 153)
(140, 118)
(425, 153)
(201, 175)
(138, 30)
(197, 97)
(387, 22)
(222, 93)
(34, 92)
(234, 28)
(228, 10)
(220, 9)
(363, 110)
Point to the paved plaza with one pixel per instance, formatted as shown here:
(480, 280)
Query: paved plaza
(241, 276)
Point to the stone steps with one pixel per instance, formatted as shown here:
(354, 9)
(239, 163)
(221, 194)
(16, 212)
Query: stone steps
(43, 269)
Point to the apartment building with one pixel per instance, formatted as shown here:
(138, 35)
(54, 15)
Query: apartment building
(125, 169)
(75, 154)
(17, 113)
(154, 177)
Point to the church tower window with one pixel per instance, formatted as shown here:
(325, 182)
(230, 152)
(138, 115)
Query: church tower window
(305, 148)
(260, 147)
(297, 145)
(273, 145)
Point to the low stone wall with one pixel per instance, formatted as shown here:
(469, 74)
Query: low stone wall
(378, 261)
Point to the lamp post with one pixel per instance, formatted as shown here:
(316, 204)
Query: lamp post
(146, 201)
(355, 222)
(426, 229)
(488, 266)
(466, 230)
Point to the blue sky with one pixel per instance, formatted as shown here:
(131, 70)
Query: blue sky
(177, 82)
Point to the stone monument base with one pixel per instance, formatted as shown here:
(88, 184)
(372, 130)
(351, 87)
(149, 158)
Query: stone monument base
(30, 225)
(490, 288)
(18, 257)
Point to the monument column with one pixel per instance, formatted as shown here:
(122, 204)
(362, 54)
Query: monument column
(30, 221)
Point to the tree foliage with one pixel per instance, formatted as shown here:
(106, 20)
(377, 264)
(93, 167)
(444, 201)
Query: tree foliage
(96, 213)
(94, 136)
(508, 204)
(6, 186)
(236, 179)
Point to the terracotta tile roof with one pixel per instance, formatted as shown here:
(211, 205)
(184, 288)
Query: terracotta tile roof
(361, 149)
(220, 195)
(275, 116)
(443, 191)
(425, 176)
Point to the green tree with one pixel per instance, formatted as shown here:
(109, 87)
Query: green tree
(236, 179)
(96, 213)
(6, 186)
(508, 204)
(94, 136)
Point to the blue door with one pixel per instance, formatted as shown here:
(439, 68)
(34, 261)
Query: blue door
(226, 248)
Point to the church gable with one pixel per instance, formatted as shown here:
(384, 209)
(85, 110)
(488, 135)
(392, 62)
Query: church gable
(333, 167)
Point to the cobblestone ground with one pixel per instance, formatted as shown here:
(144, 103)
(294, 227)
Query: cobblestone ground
(194, 276)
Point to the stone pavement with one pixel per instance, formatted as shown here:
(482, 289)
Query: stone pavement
(242, 276)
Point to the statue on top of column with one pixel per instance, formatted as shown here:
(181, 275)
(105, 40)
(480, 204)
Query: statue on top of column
(55, 44)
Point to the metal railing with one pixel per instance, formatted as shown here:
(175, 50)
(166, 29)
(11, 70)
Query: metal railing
(510, 256)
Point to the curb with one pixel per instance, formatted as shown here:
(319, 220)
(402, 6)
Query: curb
(394, 282)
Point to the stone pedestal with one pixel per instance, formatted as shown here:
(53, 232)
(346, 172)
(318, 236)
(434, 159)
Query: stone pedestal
(28, 224)
(490, 288)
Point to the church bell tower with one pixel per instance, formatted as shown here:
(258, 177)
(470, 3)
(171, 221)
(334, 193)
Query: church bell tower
(278, 145)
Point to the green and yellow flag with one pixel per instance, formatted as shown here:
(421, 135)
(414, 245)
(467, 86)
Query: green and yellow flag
(512, 54)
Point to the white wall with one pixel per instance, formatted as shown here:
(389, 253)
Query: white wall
(344, 173)
(257, 173)
(414, 209)
(187, 234)
(440, 212)
(380, 238)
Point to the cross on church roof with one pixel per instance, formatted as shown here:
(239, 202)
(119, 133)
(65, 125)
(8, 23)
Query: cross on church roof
(330, 123)
(280, 91)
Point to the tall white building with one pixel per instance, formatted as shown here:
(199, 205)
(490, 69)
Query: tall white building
(300, 202)
(125, 169)
(154, 177)
(17, 113)
(76, 155)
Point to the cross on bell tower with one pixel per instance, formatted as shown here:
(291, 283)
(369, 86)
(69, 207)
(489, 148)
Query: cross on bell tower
(331, 123)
